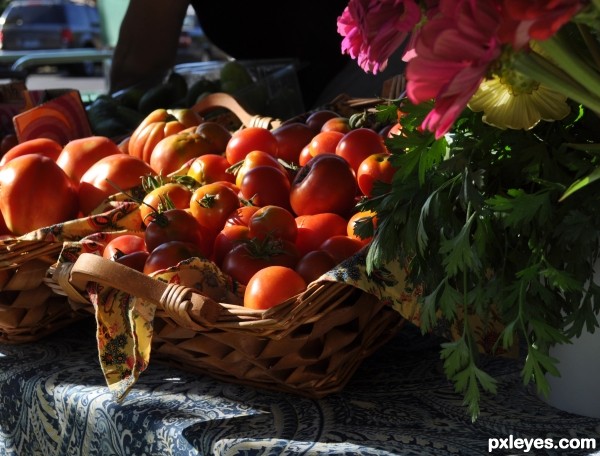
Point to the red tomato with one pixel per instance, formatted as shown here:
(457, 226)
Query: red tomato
(272, 286)
(305, 155)
(210, 168)
(291, 139)
(316, 120)
(108, 176)
(314, 264)
(361, 217)
(324, 142)
(135, 260)
(341, 124)
(266, 185)
(34, 193)
(212, 204)
(376, 167)
(247, 258)
(325, 184)
(248, 139)
(313, 230)
(216, 134)
(174, 151)
(241, 216)
(358, 144)
(170, 254)
(341, 247)
(273, 221)
(227, 239)
(162, 198)
(44, 146)
(254, 159)
(124, 245)
(176, 225)
(79, 154)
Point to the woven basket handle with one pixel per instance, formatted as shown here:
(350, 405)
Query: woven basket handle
(181, 303)
(224, 100)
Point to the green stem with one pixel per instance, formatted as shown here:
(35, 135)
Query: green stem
(537, 68)
(591, 42)
(564, 57)
(466, 326)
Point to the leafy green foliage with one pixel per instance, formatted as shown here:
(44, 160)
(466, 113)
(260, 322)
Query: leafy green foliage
(482, 217)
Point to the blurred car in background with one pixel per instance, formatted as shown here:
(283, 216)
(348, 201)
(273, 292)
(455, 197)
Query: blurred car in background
(27, 25)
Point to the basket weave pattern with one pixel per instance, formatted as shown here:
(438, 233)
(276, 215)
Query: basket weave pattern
(310, 344)
(338, 329)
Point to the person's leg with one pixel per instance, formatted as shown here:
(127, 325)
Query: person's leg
(148, 41)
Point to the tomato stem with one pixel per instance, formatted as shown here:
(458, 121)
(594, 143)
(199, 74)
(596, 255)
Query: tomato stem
(207, 201)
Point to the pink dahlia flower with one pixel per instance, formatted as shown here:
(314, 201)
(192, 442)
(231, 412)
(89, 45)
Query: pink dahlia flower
(523, 21)
(374, 29)
(453, 52)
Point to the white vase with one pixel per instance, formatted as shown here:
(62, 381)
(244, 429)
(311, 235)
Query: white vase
(577, 390)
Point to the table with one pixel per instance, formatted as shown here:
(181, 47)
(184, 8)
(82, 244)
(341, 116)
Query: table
(54, 401)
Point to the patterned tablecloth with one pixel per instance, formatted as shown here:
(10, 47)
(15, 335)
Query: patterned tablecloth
(54, 401)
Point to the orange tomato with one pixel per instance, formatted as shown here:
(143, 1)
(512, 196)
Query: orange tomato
(325, 142)
(252, 160)
(44, 146)
(108, 176)
(155, 200)
(376, 167)
(212, 204)
(316, 228)
(358, 144)
(79, 154)
(271, 286)
(248, 139)
(341, 124)
(156, 126)
(209, 168)
(174, 151)
(34, 193)
(361, 217)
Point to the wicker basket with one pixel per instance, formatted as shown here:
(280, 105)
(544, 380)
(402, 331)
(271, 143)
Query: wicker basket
(29, 309)
(310, 344)
(32, 304)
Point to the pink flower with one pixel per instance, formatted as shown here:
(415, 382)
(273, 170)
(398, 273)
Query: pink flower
(534, 19)
(374, 29)
(453, 52)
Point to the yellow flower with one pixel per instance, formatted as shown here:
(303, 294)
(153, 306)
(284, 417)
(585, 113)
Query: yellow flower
(518, 104)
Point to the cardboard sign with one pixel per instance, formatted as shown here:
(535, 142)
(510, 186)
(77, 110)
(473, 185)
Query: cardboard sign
(61, 118)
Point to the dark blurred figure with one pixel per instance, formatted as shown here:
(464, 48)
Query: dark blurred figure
(305, 31)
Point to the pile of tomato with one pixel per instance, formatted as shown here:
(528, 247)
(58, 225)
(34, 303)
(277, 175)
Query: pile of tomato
(274, 209)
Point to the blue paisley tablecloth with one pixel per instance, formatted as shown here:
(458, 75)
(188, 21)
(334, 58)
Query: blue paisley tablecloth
(54, 401)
